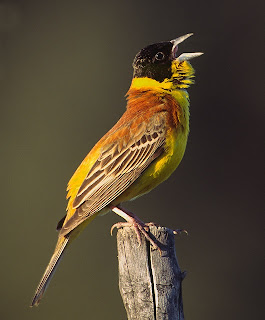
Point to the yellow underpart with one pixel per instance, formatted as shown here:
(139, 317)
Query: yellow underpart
(176, 139)
(160, 169)
(183, 73)
(165, 165)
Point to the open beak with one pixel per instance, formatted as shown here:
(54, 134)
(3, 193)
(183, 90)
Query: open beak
(183, 56)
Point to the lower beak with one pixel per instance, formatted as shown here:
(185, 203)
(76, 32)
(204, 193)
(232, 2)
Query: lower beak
(183, 56)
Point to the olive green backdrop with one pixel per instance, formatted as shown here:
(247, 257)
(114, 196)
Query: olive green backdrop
(65, 67)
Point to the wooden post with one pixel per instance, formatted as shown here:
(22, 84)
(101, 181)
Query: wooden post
(150, 283)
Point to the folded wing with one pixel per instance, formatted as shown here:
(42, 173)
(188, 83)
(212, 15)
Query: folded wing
(120, 163)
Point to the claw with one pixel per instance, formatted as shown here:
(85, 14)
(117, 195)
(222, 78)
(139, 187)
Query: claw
(118, 225)
(133, 221)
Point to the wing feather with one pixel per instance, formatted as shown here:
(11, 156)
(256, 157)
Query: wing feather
(117, 167)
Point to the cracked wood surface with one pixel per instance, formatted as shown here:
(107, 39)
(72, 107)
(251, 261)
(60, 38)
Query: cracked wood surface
(150, 283)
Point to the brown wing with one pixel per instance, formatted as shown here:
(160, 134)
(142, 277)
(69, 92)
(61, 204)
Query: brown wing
(117, 167)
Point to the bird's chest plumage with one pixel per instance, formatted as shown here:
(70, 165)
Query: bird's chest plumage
(176, 110)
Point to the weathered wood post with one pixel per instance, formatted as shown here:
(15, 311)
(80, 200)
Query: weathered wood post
(150, 283)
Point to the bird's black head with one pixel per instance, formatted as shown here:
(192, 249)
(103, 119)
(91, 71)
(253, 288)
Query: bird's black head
(154, 61)
(160, 62)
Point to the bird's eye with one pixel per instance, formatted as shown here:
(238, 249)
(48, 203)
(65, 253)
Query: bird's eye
(159, 56)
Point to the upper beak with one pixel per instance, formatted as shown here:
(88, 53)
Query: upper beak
(183, 56)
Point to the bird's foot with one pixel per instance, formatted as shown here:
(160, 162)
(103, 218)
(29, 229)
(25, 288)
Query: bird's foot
(133, 221)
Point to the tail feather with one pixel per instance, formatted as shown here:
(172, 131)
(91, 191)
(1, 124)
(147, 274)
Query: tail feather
(47, 276)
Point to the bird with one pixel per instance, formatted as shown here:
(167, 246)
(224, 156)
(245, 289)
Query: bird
(139, 152)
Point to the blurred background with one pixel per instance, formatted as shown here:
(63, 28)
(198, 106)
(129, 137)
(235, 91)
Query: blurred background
(65, 67)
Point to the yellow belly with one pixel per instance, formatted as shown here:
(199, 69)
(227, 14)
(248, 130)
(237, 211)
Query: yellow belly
(160, 169)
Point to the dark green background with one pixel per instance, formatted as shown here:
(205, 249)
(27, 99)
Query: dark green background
(65, 67)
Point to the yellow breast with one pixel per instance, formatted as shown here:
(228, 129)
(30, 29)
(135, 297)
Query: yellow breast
(176, 141)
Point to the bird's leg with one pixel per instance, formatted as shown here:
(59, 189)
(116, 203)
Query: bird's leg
(132, 220)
